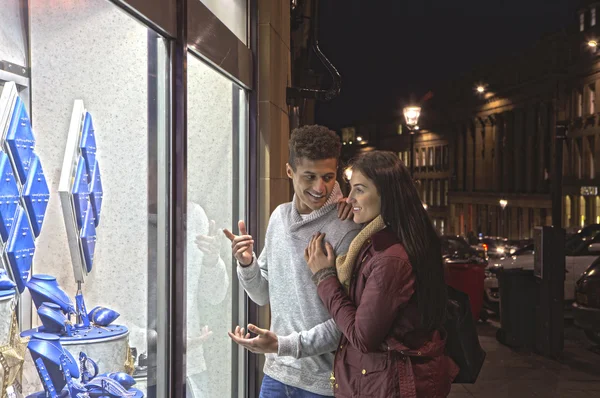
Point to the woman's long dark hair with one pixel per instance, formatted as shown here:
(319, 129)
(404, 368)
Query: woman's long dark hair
(403, 212)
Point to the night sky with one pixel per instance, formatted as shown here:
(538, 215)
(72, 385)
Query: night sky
(386, 50)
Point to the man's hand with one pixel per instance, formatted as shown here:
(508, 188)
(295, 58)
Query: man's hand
(265, 343)
(317, 258)
(242, 245)
(344, 210)
(209, 245)
(205, 334)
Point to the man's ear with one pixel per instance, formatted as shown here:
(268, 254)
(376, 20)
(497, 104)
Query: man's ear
(289, 171)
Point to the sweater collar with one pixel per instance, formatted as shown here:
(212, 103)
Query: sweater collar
(334, 197)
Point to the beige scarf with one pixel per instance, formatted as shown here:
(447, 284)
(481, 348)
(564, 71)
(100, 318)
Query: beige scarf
(344, 264)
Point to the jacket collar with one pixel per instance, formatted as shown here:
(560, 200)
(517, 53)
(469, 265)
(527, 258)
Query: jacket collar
(384, 239)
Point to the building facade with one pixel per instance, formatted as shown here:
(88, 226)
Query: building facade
(495, 147)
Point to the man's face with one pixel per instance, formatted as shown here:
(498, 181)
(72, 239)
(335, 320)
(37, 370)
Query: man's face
(313, 182)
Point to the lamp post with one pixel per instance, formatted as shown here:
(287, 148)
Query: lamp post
(503, 203)
(411, 116)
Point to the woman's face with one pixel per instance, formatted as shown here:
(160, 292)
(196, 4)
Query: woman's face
(364, 198)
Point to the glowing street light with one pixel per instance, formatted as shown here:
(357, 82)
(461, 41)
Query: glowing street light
(359, 139)
(503, 203)
(411, 114)
(480, 89)
(592, 44)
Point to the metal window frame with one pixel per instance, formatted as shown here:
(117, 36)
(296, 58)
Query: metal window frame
(191, 27)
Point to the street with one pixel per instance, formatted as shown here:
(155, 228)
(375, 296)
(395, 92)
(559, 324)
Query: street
(511, 374)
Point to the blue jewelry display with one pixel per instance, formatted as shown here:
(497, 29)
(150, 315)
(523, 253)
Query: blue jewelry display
(53, 319)
(20, 140)
(81, 193)
(20, 249)
(36, 195)
(5, 283)
(96, 192)
(45, 288)
(9, 196)
(102, 316)
(48, 348)
(88, 239)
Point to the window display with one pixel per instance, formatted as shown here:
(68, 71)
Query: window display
(85, 159)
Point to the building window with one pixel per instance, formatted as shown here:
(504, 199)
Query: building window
(430, 157)
(582, 211)
(579, 104)
(582, 22)
(597, 209)
(445, 192)
(593, 17)
(568, 214)
(592, 98)
(417, 157)
(445, 161)
(438, 194)
(424, 157)
(431, 189)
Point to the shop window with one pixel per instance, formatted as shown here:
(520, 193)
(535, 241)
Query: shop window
(216, 131)
(91, 61)
(597, 209)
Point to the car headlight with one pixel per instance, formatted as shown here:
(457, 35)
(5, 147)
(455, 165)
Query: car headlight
(512, 251)
(500, 250)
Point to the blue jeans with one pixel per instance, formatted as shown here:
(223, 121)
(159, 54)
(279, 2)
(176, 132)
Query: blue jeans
(272, 388)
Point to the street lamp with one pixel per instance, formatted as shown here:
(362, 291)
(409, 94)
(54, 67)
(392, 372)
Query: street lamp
(503, 203)
(411, 115)
(592, 44)
(480, 89)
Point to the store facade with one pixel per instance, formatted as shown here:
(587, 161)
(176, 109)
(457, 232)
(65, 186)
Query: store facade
(161, 97)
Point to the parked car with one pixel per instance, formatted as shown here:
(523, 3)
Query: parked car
(586, 308)
(580, 250)
(455, 248)
(495, 247)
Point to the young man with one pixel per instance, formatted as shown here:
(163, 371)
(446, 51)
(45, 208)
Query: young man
(302, 336)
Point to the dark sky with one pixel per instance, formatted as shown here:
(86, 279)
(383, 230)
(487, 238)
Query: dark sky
(386, 50)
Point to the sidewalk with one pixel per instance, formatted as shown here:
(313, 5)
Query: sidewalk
(511, 374)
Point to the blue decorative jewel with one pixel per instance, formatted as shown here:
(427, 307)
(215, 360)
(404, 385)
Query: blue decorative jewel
(21, 248)
(20, 140)
(81, 192)
(36, 195)
(88, 143)
(96, 192)
(88, 239)
(9, 196)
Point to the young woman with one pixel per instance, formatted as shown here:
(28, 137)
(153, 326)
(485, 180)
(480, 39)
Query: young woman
(387, 294)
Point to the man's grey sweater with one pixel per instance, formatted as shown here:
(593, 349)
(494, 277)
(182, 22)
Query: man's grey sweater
(280, 277)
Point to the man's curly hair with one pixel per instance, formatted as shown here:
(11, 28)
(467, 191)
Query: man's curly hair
(314, 143)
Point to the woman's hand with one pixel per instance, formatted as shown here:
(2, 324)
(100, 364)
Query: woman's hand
(316, 257)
